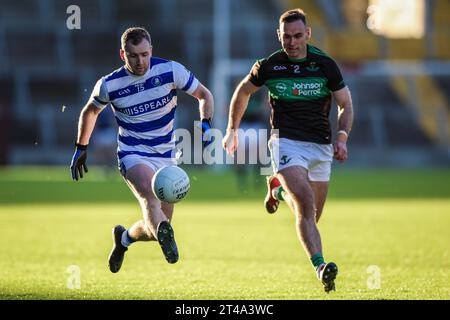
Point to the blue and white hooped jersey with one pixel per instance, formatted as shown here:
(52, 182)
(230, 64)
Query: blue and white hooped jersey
(144, 106)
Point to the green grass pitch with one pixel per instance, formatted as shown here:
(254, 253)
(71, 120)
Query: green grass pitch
(388, 231)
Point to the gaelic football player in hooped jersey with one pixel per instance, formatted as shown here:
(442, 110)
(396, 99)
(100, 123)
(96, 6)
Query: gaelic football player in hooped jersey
(143, 95)
(302, 80)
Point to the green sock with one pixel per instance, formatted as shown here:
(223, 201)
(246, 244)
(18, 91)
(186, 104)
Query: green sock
(317, 259)
(280, 194)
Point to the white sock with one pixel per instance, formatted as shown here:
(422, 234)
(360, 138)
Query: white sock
(275, 192)
(319, 267)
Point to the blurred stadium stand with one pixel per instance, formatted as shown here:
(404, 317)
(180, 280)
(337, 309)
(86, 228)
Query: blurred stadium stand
(400, 87)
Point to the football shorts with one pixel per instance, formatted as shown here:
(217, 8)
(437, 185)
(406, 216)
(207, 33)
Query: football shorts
(129, 161)
(315, 158)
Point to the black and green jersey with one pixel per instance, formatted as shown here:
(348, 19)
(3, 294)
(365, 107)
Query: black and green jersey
(299, 93)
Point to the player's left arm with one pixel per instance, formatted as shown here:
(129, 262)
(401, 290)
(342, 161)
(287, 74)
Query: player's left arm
(205, 101)
(206, 108)
(345, 121)
(186, 81)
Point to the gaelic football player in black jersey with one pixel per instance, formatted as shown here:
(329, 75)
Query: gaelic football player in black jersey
(302, 81)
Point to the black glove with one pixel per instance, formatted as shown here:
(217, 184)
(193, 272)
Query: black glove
(206, 136)
(79, 161)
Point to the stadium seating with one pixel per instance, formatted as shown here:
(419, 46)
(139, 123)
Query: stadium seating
(65, 91)
(45, 66)
(441, 42)
(444, 84)
(92, 12)
(6, 96)
(389, 110)
(352, 45)
(31, 48)
(13, 12)
(105, 57)
(315, 15)
(407, 49)
(440, 14)
(423, 95)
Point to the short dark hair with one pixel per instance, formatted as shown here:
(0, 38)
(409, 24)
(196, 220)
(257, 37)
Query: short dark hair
(293, 15)
(135, 35)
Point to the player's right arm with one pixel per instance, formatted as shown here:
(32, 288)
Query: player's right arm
(86, 123)
(238, 105)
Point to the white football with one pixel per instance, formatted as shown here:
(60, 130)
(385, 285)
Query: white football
(170, 184)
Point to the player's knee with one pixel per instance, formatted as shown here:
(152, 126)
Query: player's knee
(146, 192)
(306, 214)
(304, 198)
(305, 206)
(306, 217)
